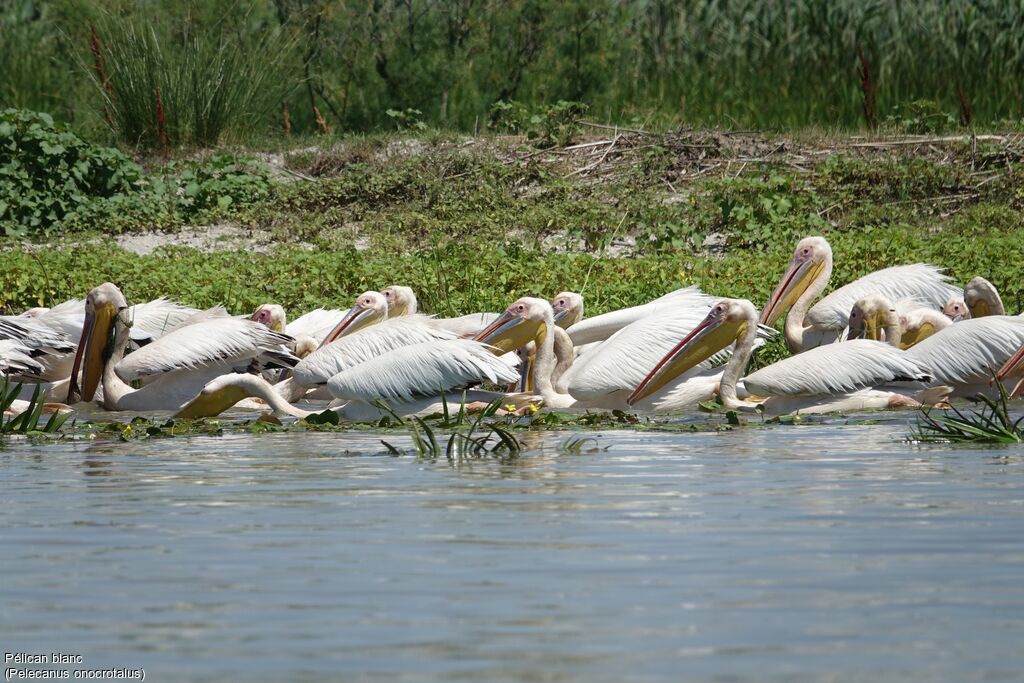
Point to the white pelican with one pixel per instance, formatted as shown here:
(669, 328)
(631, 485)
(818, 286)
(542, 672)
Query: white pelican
(980, 299)
(602, 327)
(568, 308)
(968, 354)
(604, 377)
(846, 376)
(808, 275)
(402, 301)
(230, 390)
(179, 364)
(308, 330)
(902, 324)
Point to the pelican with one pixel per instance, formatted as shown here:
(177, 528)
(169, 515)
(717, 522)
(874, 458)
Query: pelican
(980, 299)
(968, 354)
(568, 308)
(602, 327)
(402, 301)
(604, 378)
(846, 376)
(807, 276)
(308, 330)
(902, 325)
(178, 364)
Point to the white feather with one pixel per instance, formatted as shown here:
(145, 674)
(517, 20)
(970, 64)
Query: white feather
(924, 283)
(426, 369)
(158, 317)
(15, 359)
(370, 342)
(970, 352)
(214, 341)
(624, 360)
(603, 326)
(317, 323)
(465, 324)
(836, 369)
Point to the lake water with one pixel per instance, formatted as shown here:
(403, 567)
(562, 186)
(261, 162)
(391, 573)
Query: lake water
(821, 552)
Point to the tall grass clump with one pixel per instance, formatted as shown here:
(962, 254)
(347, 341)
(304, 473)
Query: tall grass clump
(161, 89)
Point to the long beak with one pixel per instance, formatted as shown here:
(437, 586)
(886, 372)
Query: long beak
(560, 313)
(791, 286)
(357, 316)
(507, 333)
(980, 309)
(525, 366)
(90, 354)
(708, 338)
(1015, 363)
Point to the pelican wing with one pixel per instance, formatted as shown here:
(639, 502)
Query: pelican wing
(351, 350)
(35, 335)
(603, 326)
(15, 359)
(316, 324)
(971, 351)
(624, 360)
(215, 341)
(921, 282)
(158, 317)
(67, 316)
(425, 369)
(837, 369)
(465, 324)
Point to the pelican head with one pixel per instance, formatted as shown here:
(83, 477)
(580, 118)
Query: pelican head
(272, 316)
(522, 322)
(812, 257)
(982, 298)
(370, 307)
(105, 309)
(727, 321)
(1014, 365)
(956, 309)
(870, 316)
(568, 308)
(401, 300)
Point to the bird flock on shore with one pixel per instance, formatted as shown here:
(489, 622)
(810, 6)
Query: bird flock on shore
(904, 336)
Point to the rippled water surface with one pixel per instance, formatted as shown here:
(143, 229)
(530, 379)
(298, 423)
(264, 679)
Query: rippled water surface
(825, 552)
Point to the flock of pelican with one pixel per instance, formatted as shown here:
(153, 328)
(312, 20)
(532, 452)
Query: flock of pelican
(899, 337)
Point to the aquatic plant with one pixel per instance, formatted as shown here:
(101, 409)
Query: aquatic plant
(480, 439)
(991, 423)
(30, 419)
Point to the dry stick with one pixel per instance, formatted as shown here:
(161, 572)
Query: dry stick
(589, 144)
(598, 162)
(928, 141)
(617, 128)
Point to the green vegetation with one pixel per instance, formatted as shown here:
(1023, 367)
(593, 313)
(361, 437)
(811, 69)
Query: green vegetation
(991, 424)
(258, 67)
(473, 223)
(30, 420)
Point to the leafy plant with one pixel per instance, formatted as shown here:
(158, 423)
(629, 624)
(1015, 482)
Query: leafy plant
(992, 423)
(922, 117)
(495, 440)
(48, 174)
(407, 119)
(30, 419)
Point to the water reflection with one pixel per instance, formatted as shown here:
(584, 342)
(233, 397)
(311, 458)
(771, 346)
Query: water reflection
(826, 551)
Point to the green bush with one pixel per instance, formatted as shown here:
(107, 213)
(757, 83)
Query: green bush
(48, 174)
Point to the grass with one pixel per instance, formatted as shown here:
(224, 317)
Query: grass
(990, 424)
(925, 66)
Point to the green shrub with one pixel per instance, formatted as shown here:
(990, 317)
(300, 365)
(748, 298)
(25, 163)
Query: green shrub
(48, 173)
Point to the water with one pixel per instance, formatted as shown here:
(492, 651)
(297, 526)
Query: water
(825, 552)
